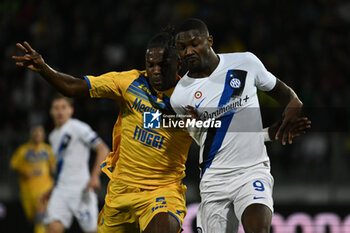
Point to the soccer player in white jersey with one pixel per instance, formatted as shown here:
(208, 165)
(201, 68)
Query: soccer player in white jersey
(74, 190)
(236, 184)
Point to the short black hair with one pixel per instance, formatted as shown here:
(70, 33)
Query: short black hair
(59, 96)
(166, 40)
(193, 24)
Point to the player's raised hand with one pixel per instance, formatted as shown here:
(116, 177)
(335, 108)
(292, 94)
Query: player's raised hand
(290, 116)
(31, 59)
(299, 127)
(296, 129)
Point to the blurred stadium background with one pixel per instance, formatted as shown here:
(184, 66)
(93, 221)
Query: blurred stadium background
(304, 43)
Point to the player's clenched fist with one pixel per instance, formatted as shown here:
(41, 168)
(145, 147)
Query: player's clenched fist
(31, 59)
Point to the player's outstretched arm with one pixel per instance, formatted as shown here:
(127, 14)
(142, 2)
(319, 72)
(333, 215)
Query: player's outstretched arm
(297, 128)
(102, 151)
(64, 83)
(288, 98)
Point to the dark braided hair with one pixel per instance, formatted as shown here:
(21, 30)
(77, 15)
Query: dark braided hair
(165, 39)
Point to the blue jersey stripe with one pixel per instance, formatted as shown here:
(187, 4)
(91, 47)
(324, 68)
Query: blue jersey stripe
(218, 139)
(163, 105)
(140, 93)
(228, 91)
(143, 97)
(166, 100)
(137, 94)
(63, 144)
(138, 90)
(59, 169)
(215, 137)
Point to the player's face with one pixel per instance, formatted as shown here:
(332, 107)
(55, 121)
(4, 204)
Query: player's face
(38, 135)
(193, 48)
(161, 69)
(61, 111)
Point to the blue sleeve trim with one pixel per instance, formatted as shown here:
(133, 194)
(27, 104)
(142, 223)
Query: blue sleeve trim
(88, 82)
(93, 140)
(103, 165)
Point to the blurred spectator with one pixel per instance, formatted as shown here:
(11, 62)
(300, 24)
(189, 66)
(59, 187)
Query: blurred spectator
(35, 163)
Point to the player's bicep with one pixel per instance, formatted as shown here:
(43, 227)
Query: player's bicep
(281, 92)
(102, 87)
(99, 145)
(79, 87)
(111, 85)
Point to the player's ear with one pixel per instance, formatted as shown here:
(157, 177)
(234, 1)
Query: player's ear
(71, 111)
(210, 40)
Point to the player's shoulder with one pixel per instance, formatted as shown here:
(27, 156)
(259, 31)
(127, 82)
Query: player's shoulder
(180, 92)
(74, 124)
(130, 74)
(180, 86)
(45, 147)
(185, 81)
(240, 56)
(24, 146)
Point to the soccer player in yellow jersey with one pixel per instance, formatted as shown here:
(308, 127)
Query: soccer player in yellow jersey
(146, 166)
(34, 161)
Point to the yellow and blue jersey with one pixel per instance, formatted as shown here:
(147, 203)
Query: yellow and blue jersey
(35, 161)
(141, 157)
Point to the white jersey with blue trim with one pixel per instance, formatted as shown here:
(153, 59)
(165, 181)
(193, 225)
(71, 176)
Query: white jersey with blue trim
(71, 144)
(230, 95)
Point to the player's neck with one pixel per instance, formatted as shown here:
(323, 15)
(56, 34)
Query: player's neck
(35, 143)
(60, 124)
(207, 69)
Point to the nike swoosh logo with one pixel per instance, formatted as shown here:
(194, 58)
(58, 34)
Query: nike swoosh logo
(258, 198)
(197, 105)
